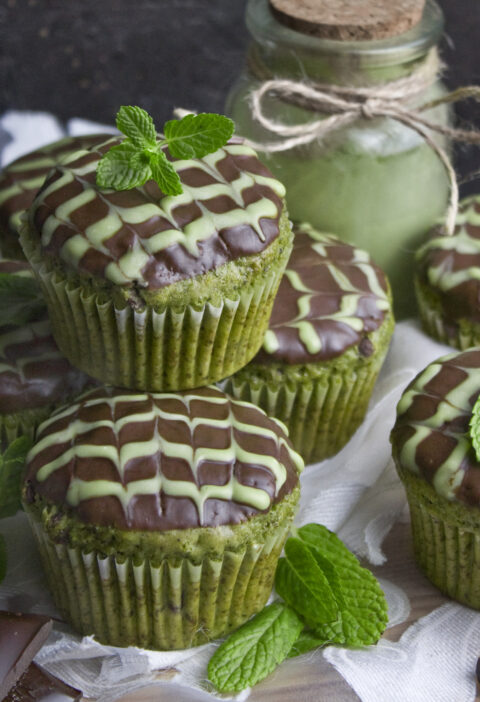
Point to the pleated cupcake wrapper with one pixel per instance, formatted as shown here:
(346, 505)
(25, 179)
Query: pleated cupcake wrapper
(465, 336)
(23, 423)
(169, 350)
(175, 604)
(448, 553)
(322, 413)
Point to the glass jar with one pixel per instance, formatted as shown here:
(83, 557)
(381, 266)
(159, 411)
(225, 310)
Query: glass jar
(376, 183)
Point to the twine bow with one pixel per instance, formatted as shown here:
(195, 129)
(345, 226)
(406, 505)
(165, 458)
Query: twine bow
(341, 106)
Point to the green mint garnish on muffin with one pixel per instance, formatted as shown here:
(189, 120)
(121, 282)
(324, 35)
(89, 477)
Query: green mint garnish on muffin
(12, 462)
(140, 157)
(475, 428)
(20, 299)
(326, 589)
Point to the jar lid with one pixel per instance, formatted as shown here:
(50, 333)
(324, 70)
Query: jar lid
(346, 20)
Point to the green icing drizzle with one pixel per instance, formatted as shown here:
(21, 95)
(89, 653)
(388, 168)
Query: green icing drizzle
(80, 490)
(305, 320)
(270, 342)
(19, 188)
(462, 242)
(449, 475)
(28, 335)
(130, 265)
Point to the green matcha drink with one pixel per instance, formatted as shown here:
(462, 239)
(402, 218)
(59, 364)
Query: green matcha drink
(375, 183)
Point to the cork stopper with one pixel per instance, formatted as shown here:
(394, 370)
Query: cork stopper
(346, 20)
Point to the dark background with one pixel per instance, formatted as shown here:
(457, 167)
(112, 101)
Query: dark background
(83, 58)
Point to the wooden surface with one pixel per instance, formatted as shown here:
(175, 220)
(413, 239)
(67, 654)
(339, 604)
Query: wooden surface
(310, 678)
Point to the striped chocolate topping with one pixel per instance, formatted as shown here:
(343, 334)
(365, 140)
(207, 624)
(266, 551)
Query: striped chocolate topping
(20, 268)
(21, 179)
(230, 208)
(33, 372)
(330, 297)
(162, 461)
(431, 435)
(451, 264)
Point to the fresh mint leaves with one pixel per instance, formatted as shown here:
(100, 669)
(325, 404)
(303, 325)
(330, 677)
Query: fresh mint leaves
(12, 462)
(195, 136)
(330, 598)
(141, 157)
(361, 602)
(20, 299)
(255, 649)
(306, 642)
(475, 428)
(301, 582)
(137, 125)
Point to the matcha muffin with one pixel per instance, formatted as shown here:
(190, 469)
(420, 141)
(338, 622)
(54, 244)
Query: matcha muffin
(160, 517)
(21, 180)
(328, 336)
(159, 292)
(34, 376)
(437, 463)
(448, 280)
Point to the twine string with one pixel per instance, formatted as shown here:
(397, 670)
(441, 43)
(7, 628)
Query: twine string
(341, 106)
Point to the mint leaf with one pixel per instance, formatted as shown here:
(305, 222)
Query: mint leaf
(255, 649)
(363, 608)
(306, 642)
(475, 428)
(165, 175)
(195, 136)
(301, 582)
(3, 558)
(12, 463)
(20, 299)
(137, 125)
(123, 167)
(140, 157)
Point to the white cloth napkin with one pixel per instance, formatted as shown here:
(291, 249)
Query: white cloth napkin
(356, 493)
(23, 132)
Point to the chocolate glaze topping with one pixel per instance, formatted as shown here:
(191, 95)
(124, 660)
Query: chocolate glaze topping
(331, 296)
(8, 265)
(431, 434)
(21, 179)
(162, 461)
(33, 372)
(230, 207)
(450, 265)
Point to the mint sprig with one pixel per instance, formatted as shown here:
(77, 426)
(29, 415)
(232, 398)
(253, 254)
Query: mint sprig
(362, 605)
(255, 649)
(12, 463)
(302, 583)
(475, 428)
(195, 136)
(141, 156)
(20, 299)
(334, 598)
